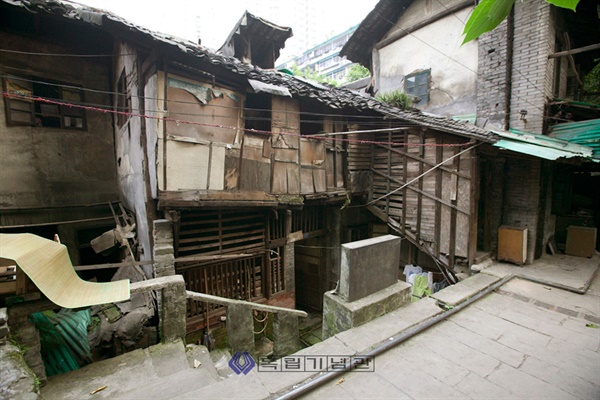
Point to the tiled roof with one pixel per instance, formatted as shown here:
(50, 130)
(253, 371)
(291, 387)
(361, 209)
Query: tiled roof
(334, 97)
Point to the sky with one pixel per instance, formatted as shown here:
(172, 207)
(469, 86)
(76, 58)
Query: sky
(218, 17)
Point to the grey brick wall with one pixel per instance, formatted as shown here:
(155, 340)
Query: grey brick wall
(534, 39)
(522, 198)
(493, 80)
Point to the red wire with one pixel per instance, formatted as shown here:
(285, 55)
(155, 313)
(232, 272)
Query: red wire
(179, 121)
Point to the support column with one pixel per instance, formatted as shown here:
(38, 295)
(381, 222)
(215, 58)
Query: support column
(240, 328)
(163, 248)
(286, 338)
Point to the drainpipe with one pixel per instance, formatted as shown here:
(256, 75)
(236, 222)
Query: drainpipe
(382, 348)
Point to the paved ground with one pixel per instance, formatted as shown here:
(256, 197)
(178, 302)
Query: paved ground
(524, 341)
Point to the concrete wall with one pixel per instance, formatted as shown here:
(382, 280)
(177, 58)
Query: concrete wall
(453, 73)
(130, 154)
(55, 167)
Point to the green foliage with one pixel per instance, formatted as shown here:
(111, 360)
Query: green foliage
(356, 72)
(313, 75)
(396, 98)
(490, 13)
(591, 84)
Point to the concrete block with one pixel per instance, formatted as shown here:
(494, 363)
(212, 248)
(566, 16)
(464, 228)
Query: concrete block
(286, 339)
(240, 328)
(340, 315)
(368, 266)
(163, 231)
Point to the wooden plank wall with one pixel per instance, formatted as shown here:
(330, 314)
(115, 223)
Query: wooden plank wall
(435, 209)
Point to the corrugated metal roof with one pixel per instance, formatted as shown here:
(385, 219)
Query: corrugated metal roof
(541, 146)
(586, 133)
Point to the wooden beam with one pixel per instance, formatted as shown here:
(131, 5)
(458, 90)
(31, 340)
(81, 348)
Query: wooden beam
(575, 51)
(439, 156)
(256, 306)
(446, 169)
(111, 265)
(473, 218)
(398, 181)
(213, 257)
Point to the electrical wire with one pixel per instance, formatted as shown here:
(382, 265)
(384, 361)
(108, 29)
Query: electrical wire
(489, 48)
(187, 122)
(453, 59)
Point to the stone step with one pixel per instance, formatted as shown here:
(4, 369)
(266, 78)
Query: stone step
(129, 372)
(174, 385)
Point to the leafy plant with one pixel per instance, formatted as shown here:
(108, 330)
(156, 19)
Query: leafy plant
(490, 13)
(356, 72)
(396, 98)
(313, 75)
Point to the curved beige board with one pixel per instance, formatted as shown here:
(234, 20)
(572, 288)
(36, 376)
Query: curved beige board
(48, 265)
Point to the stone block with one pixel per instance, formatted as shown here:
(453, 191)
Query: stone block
(3, 316)
(163, 231)
(240, 328)
(173, 307)
(368, 266)
(340, 315)
(286, 339)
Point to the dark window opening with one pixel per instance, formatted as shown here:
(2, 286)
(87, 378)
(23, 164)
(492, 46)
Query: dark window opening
(416, 85)
(258, 112)
(123, 101)
(55, 111)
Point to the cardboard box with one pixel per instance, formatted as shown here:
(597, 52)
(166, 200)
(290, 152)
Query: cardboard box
(581, 241)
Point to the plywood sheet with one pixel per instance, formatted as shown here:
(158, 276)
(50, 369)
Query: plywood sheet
(279, 178)
(319, 178)
(306, 181)
(293, 179)
(222, 108)
(217, 168)
(48, 265)
(312, 152)
(187, 165)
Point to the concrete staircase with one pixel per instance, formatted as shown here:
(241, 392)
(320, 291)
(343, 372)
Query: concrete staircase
(163, 371)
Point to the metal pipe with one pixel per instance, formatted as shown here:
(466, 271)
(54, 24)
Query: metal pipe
(327, 376)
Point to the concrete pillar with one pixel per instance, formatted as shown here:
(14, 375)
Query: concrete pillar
(286, 338)
(163, 248)
(240, 328)
(172, 312)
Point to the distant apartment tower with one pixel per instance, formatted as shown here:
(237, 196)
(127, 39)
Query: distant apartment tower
(325, 58)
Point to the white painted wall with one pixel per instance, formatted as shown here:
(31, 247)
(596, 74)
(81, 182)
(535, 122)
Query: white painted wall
(436, 46)
(130, 155)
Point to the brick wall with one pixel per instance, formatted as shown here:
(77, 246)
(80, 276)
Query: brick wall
(522, 198)
(493, 81)
(532, 72)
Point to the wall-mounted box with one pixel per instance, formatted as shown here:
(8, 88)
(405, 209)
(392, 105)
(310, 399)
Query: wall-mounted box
(581, 241)
(512, 244)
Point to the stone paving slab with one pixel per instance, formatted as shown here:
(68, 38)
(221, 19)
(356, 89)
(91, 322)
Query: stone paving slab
(465, 289)
(363, 338)
(552, 297)
(498, 347)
